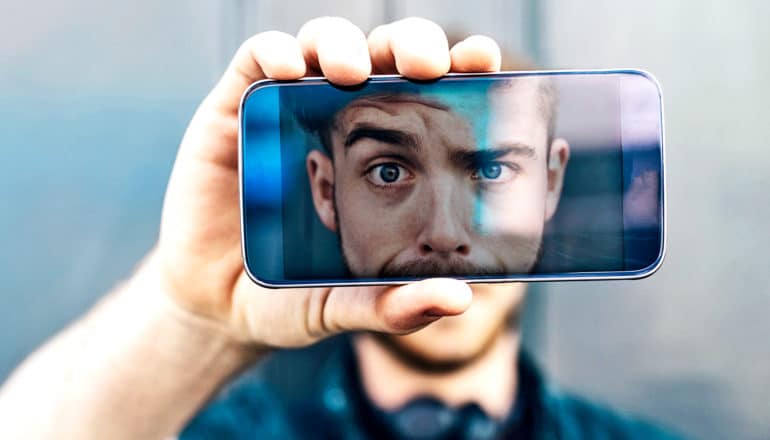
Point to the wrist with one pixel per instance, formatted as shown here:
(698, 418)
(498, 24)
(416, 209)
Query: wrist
(136, 366)
(189, 332)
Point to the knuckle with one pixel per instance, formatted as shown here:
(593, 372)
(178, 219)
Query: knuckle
(334, 22)
(277, 54)
(378, 32)
(419, 24)
(318, 317)
(481, 40)
(310, 24)
(307, 30)
(418, 21)
(267, 39)
(322, 25)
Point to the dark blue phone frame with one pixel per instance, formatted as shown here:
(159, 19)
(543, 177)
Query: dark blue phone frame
(268, 162)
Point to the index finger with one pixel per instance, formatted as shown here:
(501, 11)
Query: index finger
(337, 48)
(271, 54)
(212, 134)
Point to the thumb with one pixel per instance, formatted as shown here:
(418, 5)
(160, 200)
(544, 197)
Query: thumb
(401, 309)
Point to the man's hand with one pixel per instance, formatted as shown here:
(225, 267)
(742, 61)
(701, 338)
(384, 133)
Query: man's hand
(133, 367)
(198, 258)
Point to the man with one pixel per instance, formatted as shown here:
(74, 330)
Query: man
(145, 360)
(457, 179)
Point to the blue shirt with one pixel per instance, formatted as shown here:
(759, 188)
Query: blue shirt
(316, 393)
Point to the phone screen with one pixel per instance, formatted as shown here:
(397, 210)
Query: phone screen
(512, 176)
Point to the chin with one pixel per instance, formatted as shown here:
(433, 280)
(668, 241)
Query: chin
(437, 344)
(459, 340)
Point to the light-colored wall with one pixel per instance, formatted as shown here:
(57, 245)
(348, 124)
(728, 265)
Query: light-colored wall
(691, 345)
(94, 98)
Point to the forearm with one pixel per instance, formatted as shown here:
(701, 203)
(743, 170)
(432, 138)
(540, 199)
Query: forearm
(135, 366)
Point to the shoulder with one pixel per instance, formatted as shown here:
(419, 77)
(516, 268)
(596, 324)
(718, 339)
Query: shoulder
(263, 401)
(577, 417)
(565, 415)
(246, 407)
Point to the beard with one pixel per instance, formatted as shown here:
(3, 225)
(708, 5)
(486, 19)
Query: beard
(421, 354)
(436, 268)
(446, 267)
(441, 267)
(414, 357)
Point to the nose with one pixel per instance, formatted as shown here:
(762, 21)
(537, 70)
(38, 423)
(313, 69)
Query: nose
(445, 232)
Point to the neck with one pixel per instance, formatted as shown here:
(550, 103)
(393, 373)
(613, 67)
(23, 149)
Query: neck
(488, 380)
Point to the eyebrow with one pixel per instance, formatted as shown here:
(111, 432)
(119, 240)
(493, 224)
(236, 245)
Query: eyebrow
(466, 157)
(386, 135)
(475, 158)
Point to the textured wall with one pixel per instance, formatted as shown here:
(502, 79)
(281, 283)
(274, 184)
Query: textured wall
(94, 98)
(690, 345)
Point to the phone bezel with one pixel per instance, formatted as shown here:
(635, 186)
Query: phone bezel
(572, 276)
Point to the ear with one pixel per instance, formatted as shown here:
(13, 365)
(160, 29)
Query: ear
(320, 171)
(557, 165)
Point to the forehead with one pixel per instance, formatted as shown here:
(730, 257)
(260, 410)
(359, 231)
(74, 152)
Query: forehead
(480, 114)
(409, 113)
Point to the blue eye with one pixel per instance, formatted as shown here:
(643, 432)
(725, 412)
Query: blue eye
(491, 171)
(389, 172)
(494, 172)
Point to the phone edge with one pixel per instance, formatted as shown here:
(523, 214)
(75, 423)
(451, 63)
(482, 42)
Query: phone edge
(589, 276)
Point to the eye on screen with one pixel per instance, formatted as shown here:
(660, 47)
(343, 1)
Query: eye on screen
(484, 178)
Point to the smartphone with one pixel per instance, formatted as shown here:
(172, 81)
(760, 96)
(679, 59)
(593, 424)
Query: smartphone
(511, 176)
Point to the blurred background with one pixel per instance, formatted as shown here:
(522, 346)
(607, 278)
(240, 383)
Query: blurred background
(95, 96)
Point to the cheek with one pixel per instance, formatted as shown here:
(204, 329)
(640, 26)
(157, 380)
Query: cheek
(372, 229)
(516, 209)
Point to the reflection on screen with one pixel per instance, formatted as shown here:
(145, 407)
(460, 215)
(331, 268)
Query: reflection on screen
(474, 178)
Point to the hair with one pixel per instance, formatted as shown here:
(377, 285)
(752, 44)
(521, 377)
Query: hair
(319, 115)
(548, 101)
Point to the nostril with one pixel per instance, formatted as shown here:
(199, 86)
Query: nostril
(463, 249)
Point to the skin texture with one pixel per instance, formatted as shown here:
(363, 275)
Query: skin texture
(198, 254)
(143, 360)
(410, 205)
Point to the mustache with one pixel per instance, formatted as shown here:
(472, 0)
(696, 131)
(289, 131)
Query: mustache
(437, 268)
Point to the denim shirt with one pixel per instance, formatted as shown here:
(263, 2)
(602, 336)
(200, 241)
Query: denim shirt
(316, 393)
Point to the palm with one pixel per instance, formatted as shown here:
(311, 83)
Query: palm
(199, 253)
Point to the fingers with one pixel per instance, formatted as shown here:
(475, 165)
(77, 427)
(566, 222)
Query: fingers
(476, 53)
(270, 54)
(336, 48)
(401, 309)
(333, 46)
(414, 47)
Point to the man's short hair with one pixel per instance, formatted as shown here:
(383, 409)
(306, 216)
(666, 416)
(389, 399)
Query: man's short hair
(319, 115)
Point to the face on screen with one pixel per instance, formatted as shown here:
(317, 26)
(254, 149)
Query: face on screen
(421, 186)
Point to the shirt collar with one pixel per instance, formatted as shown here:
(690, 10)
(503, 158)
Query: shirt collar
(343, 398)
